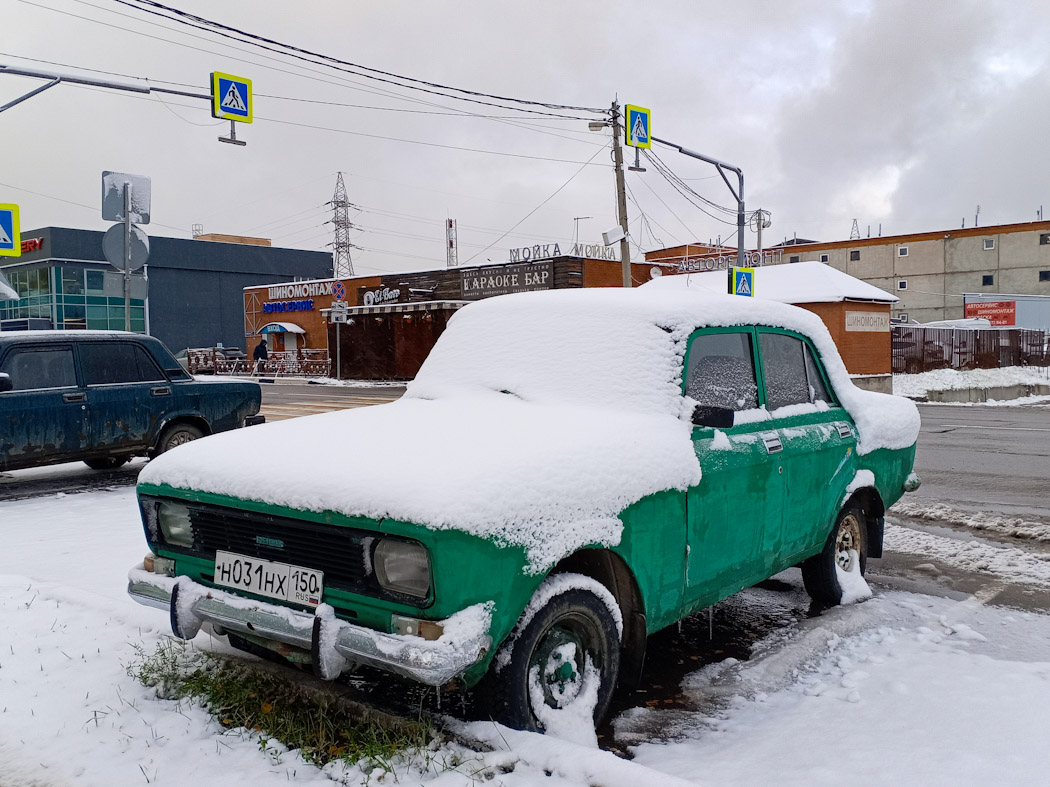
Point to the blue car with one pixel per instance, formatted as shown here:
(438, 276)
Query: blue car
(102, 397)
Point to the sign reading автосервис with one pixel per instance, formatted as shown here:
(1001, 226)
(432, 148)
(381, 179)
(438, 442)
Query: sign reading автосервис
(505, 279)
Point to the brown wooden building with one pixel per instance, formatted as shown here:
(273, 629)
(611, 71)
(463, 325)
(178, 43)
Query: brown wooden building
(392, 321)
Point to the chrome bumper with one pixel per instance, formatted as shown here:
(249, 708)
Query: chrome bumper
(333, 644)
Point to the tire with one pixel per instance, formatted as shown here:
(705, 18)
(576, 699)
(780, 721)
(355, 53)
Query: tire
(174, 436)
(574, 617)
(850, 534)
(106, 462)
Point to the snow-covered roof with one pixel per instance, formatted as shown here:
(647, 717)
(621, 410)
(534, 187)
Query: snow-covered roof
(794, 282)
(536, 419)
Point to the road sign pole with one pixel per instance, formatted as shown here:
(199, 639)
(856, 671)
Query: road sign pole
(338, 357)
(127, 256)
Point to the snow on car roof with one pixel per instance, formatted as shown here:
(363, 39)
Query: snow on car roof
(794, 282)
(536, 419)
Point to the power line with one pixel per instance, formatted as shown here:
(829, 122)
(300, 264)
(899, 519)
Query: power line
(201, 23)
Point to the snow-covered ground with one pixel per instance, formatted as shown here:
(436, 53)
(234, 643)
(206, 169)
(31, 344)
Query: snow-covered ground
(918, 385)
(900, 689)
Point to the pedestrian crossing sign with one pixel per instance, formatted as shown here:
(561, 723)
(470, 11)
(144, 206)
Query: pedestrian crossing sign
(638, 130)
(742, 281)
(10, 235)
(231, 97)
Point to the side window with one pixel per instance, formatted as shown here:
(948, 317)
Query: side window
(117, 362)
(44, 368)
(721, 371)
(784, 366)
(817, 390)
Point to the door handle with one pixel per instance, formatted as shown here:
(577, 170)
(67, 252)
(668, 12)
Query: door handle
(74, 397)
(162, 390)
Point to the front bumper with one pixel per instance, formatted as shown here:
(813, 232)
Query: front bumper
(334, 644)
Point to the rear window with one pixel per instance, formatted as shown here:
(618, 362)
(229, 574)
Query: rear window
(49, 367)
(106, 363)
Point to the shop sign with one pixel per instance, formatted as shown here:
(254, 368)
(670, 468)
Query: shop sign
(535, 252)
(306, 290)
(996, 312)
(873, 322)
(379, 296)
(505, 279)
(32, 244)
(595, 251)
(721, 262)
(289, 306)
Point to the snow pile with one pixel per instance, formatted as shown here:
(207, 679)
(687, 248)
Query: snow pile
(854, 587)
(796, 282)
(988, 522)
(573, 719)
(534, 422)
(919, 385)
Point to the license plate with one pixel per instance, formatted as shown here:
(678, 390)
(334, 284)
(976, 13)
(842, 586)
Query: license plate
(266, 578)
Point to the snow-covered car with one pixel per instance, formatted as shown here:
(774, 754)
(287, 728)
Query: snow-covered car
(102, 397)
(569, 472)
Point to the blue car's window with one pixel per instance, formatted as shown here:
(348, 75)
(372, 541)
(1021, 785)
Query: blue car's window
(117, 362)
(721, 371)
(44, 368)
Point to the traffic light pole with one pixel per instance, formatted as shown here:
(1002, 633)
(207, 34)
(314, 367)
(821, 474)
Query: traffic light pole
(721, 166)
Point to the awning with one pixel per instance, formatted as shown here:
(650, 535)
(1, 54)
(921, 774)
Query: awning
(281, 327)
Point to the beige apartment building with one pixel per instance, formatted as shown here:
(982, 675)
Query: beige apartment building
(930, 271)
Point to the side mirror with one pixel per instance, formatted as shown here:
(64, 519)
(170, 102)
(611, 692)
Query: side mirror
(5, 382)
(718, 417)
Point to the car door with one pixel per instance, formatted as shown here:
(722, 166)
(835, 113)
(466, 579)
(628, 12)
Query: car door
(127, 394)
(818, 437)
(42, 416)
(733, 513)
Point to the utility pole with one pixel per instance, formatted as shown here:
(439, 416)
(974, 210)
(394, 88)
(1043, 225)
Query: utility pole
(342, 266)
(621, 197)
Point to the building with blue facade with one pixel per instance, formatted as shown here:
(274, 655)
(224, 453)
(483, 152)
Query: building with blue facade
(190, 293)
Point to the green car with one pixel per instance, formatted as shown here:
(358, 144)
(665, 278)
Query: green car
(570, 472)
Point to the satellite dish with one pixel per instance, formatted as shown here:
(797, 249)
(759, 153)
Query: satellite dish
(655, 273)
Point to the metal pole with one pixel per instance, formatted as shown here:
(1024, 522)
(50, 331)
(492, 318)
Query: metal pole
(621, 197)
(338, 356)
(127, 256)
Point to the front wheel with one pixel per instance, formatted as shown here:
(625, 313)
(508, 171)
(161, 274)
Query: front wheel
(846, 549)
(176, 435)
(566, 655)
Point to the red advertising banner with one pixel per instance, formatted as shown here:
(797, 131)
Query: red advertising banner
(996, 312)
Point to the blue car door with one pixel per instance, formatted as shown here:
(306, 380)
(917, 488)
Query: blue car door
(42, 417)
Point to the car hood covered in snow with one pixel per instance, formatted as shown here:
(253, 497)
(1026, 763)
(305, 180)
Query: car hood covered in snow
(535, 421)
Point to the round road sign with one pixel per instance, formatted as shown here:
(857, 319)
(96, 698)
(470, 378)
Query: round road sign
(113, 247)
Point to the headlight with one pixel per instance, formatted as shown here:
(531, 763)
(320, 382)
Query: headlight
(402, 567)
(175, 526)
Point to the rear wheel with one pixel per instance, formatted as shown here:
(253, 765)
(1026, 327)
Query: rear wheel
(176, 435)
(568, 653)
(845, 548)
(106, 462)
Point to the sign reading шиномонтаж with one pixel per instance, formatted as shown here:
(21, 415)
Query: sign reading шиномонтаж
(874, 322)
(505, 279)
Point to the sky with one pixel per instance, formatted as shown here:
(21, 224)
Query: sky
(903, 116)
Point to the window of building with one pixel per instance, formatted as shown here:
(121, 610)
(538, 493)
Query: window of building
(722, 372)
(987, 280)
(824, 258)
(902, 251)
(903, 316)
(989, 244)
(1044, 275)
(793, 258)
(854, 255)
(1044, 239)
(48, 368)
(902, 284)
(95, 282)
(117, 362)
(73, 280)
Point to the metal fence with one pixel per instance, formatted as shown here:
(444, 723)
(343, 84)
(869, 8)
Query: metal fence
(294, 363)
(920, 349)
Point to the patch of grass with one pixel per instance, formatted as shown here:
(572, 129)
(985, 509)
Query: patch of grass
(242, 695)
